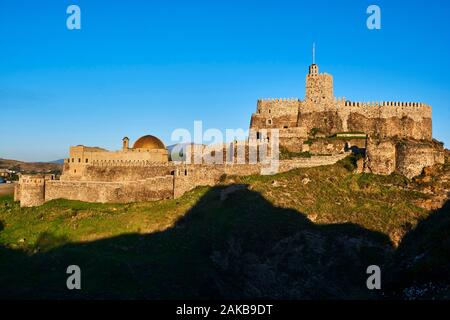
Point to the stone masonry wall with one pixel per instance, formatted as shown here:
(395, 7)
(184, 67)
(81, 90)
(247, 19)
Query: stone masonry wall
(32, 191)
(275, 113)
(381, 156)
(383, 119)
(407, 157)
(412, 157)
(118, 173)
(111, 192)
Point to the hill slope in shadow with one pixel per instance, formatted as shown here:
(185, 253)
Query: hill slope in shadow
(241, 247)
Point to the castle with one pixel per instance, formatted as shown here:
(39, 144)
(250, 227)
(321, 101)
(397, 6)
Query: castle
(392, 136)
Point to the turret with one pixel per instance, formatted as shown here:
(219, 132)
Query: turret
(125, 143)
(319, 87)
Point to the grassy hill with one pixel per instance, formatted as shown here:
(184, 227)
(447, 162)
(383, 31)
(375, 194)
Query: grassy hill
(31, 166)
(305, 234)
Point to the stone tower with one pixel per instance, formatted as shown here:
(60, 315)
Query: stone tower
(31, 190)
(125, 144)
(319, 87)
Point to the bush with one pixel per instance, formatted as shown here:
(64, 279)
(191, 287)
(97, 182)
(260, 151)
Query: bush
(286, 154)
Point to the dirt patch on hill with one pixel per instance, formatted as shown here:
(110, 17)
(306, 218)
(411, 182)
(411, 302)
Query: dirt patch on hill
(6, 188)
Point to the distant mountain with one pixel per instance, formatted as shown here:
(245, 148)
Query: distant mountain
(30, 167)
(60, 161)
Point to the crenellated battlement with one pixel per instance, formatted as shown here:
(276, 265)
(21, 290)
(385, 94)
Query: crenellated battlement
(31, 189)
(321, 110)
(125, 163)
(35, 180)
(32, 181)
(386, 104)
(278, 100)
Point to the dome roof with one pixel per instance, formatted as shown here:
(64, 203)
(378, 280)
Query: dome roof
(148, 142)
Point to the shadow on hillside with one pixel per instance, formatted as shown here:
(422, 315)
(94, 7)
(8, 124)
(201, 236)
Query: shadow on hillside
(420, 267)
(241, 247)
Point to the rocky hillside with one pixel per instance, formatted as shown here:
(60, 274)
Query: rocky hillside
(305, 234)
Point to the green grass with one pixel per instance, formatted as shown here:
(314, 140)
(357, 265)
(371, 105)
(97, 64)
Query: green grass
(82, 221)
(335, 194)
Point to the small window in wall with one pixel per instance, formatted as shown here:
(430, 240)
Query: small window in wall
(87, 161)
(172, 172)
(269, 121)
(73, 160)
(75, 171)
(285, 127)
(258, 136)
(185, 172)
(270, 111)
(79, 159)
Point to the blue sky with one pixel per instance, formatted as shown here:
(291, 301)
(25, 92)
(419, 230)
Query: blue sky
(149, 67)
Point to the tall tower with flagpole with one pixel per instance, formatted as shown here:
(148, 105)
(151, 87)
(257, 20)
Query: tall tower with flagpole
(319, 87)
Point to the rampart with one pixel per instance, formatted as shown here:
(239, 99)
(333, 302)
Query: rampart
(112, 187)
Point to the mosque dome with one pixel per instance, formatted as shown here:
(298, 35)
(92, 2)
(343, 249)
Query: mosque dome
(148, 142)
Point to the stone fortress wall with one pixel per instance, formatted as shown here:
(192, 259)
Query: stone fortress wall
(392, 136)
(398, 131)
(322, 111)
(121, 182)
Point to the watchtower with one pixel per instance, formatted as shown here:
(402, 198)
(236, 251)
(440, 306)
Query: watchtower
(319, 87)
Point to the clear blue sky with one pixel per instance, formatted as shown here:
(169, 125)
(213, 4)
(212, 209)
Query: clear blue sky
(149, 67)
